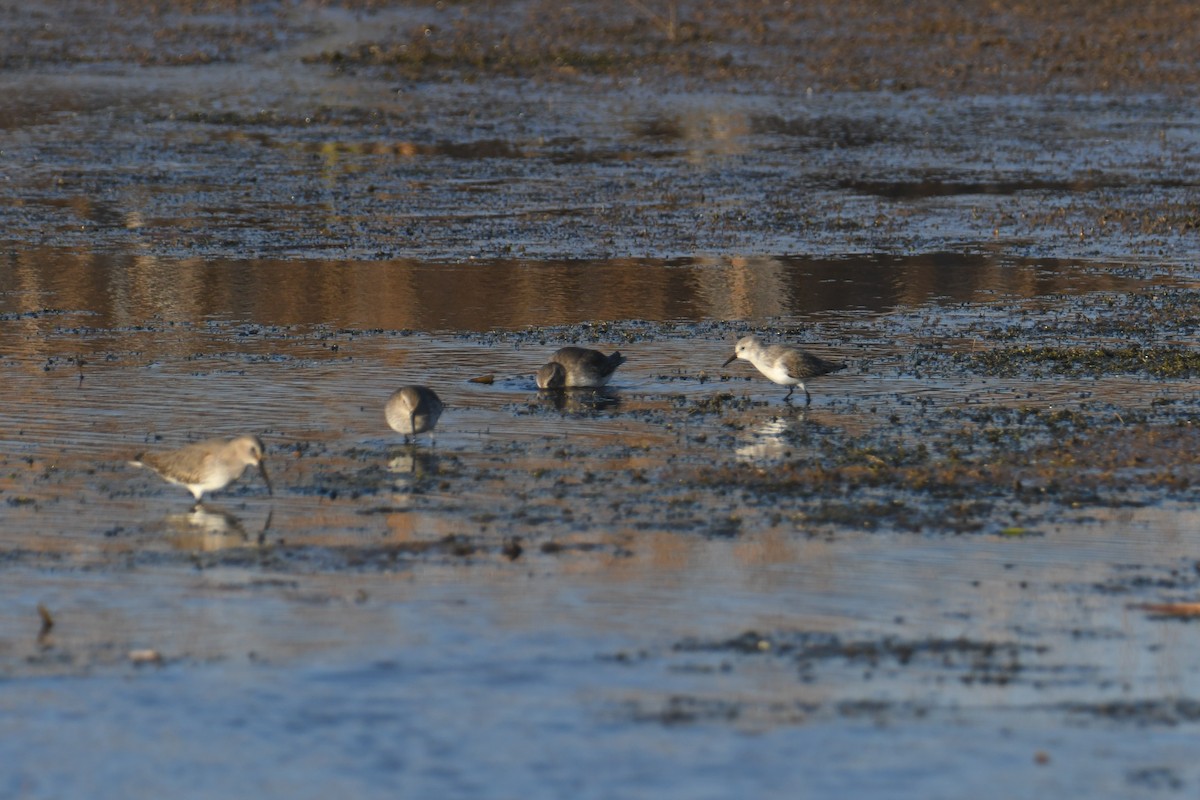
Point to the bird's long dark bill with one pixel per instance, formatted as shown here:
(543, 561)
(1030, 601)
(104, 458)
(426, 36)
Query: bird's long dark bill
(262, 468)
(730, 360)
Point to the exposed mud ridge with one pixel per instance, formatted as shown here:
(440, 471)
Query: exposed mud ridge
(1165, 711)
(665, 130)
(1169, 362)
(974, 661)
(1181, 580)
(816, 658)
(956, 469)
(678, 710)
(966, 47)
(1145, 318)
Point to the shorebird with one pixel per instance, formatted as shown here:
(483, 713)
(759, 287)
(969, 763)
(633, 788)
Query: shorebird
(207, 466)
(787, 366)
(412, 410)
(578, 367)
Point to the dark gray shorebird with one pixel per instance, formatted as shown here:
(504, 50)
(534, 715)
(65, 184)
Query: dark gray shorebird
(412, 410)
(787, 366)
(207, 466)
(578, 367)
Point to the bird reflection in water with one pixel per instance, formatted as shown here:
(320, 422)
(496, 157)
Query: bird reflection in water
(412, 467)
(773, 440)
(413, 461)
(211, 529)
(579, 401)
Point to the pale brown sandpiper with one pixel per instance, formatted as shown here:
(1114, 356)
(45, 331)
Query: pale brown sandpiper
(207, 466)
(412, 410)
(578, 367)
(787, 366)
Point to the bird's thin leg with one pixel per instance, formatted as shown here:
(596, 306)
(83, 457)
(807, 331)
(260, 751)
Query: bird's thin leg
(788, 397)
(807, 397)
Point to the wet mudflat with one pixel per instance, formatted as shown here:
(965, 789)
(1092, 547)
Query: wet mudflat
(970, 566)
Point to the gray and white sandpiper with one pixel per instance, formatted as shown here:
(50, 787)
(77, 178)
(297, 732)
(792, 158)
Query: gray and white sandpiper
(578, 367)
(207, 466)
(412, 410)
(787, 366)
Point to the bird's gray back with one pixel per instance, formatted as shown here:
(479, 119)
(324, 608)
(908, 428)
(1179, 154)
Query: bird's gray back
(801, 364)
(187, 465)
(586, 361)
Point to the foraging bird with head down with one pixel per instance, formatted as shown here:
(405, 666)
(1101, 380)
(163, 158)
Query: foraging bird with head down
(578, 367)
(413, 409)
(207, 466)
(787, 366)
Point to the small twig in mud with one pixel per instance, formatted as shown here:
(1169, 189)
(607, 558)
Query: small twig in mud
(668, 25)
(1181, 610)
(47, 623)
(47, 619)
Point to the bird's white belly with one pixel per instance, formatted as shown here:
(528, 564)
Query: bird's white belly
(778, 374)
(217, 478)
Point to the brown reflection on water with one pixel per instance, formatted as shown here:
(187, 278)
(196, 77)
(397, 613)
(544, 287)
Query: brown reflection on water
(131, 290)
(704, 133)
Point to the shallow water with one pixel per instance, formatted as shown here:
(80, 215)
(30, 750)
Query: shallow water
(367, 629)
(929, 583)
(473, 679)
